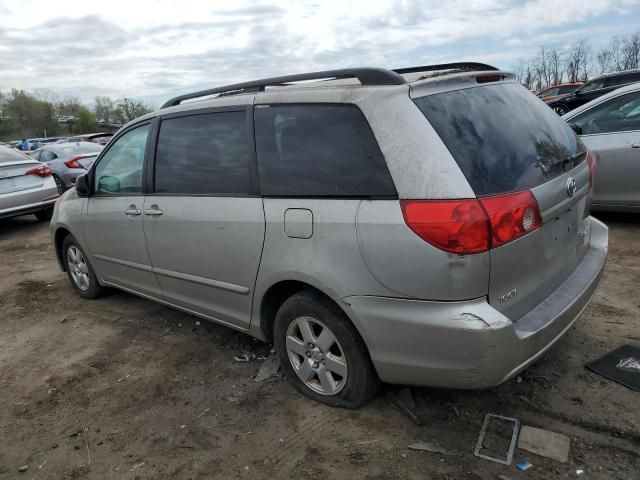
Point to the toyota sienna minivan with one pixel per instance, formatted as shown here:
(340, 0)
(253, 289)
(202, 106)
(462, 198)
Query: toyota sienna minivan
(423, 226)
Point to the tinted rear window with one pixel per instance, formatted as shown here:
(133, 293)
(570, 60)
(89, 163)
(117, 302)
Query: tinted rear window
(503, 137)
(319, 150)
(204, 154)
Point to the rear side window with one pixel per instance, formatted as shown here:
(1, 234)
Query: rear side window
(503, 138)
(203, 154)
(618, 80)
(319, 150)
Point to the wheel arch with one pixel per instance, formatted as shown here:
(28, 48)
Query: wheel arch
(59, 236)
(279, 292)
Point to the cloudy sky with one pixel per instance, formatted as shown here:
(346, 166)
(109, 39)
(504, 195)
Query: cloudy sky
(152, 49)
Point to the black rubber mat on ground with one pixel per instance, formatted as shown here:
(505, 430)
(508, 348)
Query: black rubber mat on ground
(622, 366)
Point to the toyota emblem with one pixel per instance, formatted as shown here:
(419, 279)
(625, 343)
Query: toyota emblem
(571, 186)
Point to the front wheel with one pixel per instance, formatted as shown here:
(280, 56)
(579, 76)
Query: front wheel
(80, 272)
(44, 215)
(321, 352)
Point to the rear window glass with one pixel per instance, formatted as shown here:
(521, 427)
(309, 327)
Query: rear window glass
(503, 137)
(319, 150)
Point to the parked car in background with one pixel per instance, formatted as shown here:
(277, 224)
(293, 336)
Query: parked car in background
(100, 138)
(68, 160)
(610, 126)
(593, 89)
(388, 225)
(26, 186)
(557, 92)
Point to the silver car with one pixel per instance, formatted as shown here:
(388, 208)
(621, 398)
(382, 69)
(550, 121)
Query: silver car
(398, 226)
(68, 160)
(26, 186)
(610, 126)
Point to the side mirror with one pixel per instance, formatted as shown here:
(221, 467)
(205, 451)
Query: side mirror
(576, 128)
(82, 186)
(109, 184)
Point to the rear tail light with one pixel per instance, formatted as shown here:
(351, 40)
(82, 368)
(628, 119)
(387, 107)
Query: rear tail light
(472, 226)
(511, 216)
(591, 161)
(42, 171)
(73, 163)
(456, 226)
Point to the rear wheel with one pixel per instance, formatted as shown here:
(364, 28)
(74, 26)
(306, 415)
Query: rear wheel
(79, 270)
(321, 352)
(560, 108)
(60, 184)
(44, 215)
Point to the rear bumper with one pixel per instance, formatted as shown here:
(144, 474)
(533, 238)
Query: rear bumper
(26, 209)
(470, 344)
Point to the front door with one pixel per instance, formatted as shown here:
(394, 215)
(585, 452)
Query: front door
(113, 220)
(205, 222)
(612, 130)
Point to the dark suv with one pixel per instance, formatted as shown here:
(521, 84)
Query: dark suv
(593, 89)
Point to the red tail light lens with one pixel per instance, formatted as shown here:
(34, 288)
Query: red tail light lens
(591, 161)
(43, 171)
(456, 226)
(511, 216)
(472, 226)
(73, 162)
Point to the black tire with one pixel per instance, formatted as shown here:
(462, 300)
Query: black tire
(361, 383)
(60, 184)
(93, 289)
(560, 108)
(44, 215)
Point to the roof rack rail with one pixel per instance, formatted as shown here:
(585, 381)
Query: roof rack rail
(464, 66)
(366, 76)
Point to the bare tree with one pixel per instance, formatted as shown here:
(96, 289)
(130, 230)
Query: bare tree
(631, 52)
(616, 54)
(578, 61)
(604, 58)
(104, 109)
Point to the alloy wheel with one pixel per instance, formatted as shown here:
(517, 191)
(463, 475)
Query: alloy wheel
(316, 356)
(78, 268)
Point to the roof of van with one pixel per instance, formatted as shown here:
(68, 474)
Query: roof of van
(346, 77)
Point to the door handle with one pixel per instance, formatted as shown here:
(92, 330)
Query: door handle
(132, 210)
(154, 211)
(635, 145)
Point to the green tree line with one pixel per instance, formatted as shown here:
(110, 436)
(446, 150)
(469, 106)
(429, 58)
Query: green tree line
(42, 114)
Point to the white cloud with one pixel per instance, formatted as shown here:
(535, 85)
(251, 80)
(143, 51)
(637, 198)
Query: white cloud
(154, 47)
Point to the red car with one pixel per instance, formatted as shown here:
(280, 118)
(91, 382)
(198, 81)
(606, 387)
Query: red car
(556, 92)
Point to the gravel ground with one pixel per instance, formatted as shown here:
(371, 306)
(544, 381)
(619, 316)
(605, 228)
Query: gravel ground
(123, 388)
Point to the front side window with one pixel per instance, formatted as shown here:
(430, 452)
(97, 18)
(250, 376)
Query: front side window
(319, 150)
(120, 169)
(204, 154)
(619, 114)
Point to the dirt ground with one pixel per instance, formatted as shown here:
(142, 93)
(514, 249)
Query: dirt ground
(162, 397)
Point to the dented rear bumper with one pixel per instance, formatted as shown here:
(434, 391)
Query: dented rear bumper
(470, 344)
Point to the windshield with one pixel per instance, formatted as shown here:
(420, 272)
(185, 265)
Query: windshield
(503, 138)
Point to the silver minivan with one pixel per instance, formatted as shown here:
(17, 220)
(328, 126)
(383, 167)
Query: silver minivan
(423, 226)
